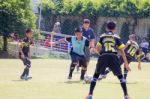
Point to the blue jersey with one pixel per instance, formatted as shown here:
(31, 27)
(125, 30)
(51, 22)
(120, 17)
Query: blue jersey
(89, 34)
(78, 47)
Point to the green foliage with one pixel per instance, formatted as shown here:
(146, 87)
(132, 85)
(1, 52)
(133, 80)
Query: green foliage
(67, 27)
(103, 29)
(124, 32)
(16, 16)
(113, 8)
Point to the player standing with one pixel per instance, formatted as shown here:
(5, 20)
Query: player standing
(132, 52)
(77, 51)
(24, 54)
(88, 32)
(108, 47)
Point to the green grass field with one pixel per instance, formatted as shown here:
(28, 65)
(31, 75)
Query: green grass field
(49, 81)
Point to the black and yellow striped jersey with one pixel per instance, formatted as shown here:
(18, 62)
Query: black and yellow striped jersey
(110, 43)
(132, 49)
(25, 45)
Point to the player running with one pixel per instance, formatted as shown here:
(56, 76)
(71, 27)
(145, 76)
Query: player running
(24, 54)
(108, 47)
(77, 51)
(132, 52)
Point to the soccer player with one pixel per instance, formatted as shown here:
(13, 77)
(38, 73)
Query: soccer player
(24, 54)
(132, 52)
(77, 51)
(88, 32)
(108, 47)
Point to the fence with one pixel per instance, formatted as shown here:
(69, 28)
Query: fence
(43, 46)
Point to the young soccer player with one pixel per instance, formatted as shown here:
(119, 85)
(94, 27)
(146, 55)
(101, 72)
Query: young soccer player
(24, 54)
(132, 52)
(77, 51)
(108, 47)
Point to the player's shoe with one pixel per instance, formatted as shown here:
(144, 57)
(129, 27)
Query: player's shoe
(102, 77)
(22, 77)
(127, 97)
(28, 78)
(69, 78)
(89, 97)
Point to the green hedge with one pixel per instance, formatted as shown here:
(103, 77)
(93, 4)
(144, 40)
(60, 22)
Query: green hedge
(112, 8)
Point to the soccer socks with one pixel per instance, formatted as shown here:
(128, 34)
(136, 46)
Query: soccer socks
(125, 73)
(123, 84)
(93, 83)
(72, 67)
(83, 71)
(25, 72)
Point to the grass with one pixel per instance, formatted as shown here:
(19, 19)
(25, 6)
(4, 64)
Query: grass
(49, 81)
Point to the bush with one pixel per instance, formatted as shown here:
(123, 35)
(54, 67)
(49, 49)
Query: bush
(124, 32)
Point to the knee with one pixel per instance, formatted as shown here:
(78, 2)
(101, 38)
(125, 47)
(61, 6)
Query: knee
(122, 80)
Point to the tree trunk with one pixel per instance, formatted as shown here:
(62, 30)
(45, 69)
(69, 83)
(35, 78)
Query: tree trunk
(5, 43)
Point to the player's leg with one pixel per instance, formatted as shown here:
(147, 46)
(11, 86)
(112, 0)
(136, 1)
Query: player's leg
(100, 67)
(87, 55)
(84, 67)
(74, 59)
(116, 69)
(125, 73)
(27, 64)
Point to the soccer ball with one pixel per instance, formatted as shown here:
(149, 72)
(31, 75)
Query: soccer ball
(88, 79)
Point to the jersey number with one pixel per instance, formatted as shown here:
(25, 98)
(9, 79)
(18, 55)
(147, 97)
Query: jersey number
(109, 47)
(132, 51)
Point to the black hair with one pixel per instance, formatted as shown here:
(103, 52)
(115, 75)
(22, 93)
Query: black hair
(111, 25)
(77, 29)
(28, 30)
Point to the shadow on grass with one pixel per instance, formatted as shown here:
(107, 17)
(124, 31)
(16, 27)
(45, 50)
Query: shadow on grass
(134, 82)
(73, 82)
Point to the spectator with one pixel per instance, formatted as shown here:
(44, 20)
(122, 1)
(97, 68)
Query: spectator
(144, 45)
(88, 32)
(148, 55)
(57, 28)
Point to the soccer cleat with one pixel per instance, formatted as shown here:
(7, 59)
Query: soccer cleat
(126, 97)
(89, 97)
(28, 78)
(22, 77)
(69, 78)
(102, 77)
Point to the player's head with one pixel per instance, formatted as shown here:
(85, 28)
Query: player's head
(86, 23)
(111, 26)
(132, 37)
(78, 32)
(29, 33)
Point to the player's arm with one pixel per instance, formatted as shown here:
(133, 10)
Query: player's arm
(63, 40)
(122, 53)
(127, 44)
(20, 49)
(92, 40)
(98, 48)
(139, 55)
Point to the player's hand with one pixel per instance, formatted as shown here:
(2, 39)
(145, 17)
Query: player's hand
(53, 43)
(127, 66)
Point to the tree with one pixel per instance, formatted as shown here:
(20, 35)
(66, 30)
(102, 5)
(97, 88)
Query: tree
(125, 32)
(15, 16)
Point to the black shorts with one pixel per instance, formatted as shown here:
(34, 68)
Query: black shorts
(26, 61)
(78, 59)
(129, 59)
(108, 60)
